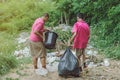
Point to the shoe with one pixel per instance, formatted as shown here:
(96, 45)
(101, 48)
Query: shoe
(41, 71)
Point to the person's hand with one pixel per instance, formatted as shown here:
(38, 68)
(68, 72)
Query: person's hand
(46, 30)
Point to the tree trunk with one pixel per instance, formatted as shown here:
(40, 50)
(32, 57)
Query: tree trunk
(65, 15)
(61, 18)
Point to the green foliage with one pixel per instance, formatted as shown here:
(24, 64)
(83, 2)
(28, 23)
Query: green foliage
(54, 18)
(113, 52)
(6, 63)
(17, 15)
(63, 35)
(12, 79)
(20, 15)
(7, 46)
(102, 15)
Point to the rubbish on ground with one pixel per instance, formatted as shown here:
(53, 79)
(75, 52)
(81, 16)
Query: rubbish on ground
(52, 58)
(68, 65)
(106, 62)
(22, 53)
(53, 67)
(22, 37)
(90, 47)
(91, 65)
(90, 52)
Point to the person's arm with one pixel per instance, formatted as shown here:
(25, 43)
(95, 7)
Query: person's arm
(46, 30)
(74, 30)
(72, 38)
(38, 29)
(38, 34)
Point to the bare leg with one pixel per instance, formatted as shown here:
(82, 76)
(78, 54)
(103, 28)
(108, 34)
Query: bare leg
(84, 58)
(43, 62)
(35, 62)
(78, 51)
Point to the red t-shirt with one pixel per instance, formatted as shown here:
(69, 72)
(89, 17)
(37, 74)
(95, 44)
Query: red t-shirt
(82, 34)
(37, 26)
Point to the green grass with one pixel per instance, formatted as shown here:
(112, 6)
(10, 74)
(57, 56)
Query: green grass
(7, 62)
(20, 15)
(17, 16)
(7, 46)
(11, 79)
(113, 52)
(104, 43)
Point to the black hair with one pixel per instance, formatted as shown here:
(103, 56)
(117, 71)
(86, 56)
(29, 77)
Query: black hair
(80, 15)
(46, 15)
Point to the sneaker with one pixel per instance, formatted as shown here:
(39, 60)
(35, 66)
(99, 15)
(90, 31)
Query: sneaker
(42, 71)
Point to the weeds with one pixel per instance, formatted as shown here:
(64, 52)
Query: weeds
(11, 79)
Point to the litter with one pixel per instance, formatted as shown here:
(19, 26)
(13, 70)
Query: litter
(68, 65)
(91, 65)
(22, 53)
(90, 52)
(106, 62)
(53, 67)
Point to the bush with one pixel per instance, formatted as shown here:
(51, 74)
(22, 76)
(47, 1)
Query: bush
(20, 15)
(7, 47)
(113, 52)
(64, 35)
(7, 62)
(16, 16)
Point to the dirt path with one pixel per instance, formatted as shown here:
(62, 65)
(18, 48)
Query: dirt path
(96, 73)
(26, 72)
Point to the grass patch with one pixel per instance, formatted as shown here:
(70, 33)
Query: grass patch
(7, 62)
(104, 44)
(11, 79)
(7, 46)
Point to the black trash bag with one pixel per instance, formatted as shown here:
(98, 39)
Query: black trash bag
(68, 65)
(50, 39)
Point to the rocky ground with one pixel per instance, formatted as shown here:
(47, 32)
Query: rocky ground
(111, 72)
(99, 68)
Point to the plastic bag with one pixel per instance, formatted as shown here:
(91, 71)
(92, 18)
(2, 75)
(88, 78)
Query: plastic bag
(68, 65)
(53, 67)
(50, 39)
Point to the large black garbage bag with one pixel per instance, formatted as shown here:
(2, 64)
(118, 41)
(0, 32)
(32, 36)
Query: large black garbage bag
(68, 65)
(50, 39)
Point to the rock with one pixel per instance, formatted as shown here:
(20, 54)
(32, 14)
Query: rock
(22, 53)
(23, 37)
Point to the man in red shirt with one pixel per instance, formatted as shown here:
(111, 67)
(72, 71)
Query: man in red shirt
(81, 34)
(37, 48)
